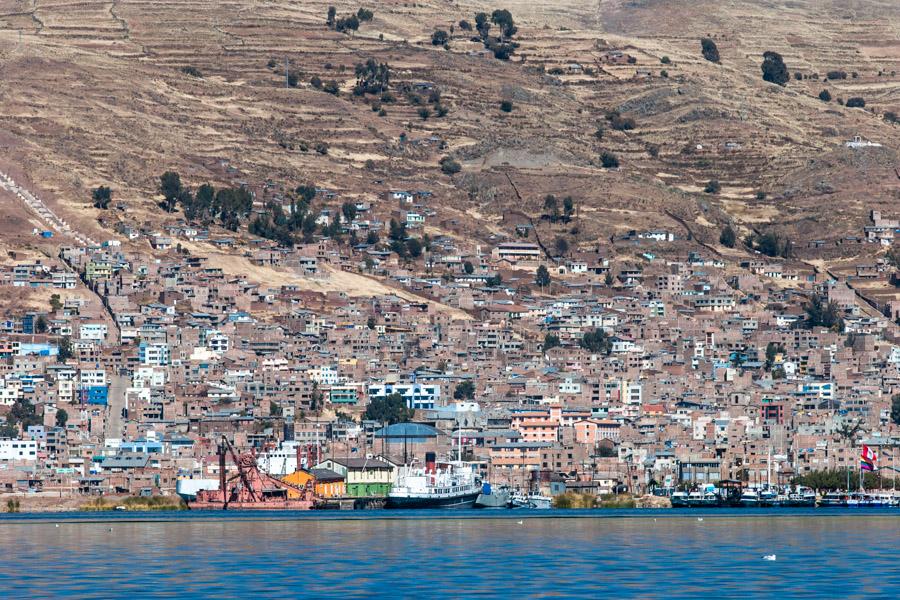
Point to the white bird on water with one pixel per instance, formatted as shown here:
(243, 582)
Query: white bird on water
(520, 522)
(700, 518)
(769, 557)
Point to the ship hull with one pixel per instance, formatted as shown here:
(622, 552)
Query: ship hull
(268, 505)
(492, 500)
(462, 501)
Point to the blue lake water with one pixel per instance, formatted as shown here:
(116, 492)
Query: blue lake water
(821, 553)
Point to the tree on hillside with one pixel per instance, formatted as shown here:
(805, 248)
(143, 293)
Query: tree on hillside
(171, 189)
(855, 102)
(542, 277)
(62, 417)
(482, 25)
(465, 390)
(597, 341)
(347, 23)
(825, 96)
(102, 196)
(551, 341)
(773, 349)
(372, 77)
(64, 350)
(440, 38)
(504, 20)
(709, 50)
(389, 409)
(397, 230)
(22, 413)
(332, 13)
(468, 268)
(895, 409)
(55, 302)
(773, 68)
(450, 166)
(414, 247)
(770, 244)
(561, 245)
(551, 207)
(348, 209)
(609, 160)
(822, 313)
(568, 208)
(728, 238)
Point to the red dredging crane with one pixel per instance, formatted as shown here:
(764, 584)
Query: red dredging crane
(250, 488)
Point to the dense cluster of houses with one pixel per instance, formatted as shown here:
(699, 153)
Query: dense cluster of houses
(702, 371)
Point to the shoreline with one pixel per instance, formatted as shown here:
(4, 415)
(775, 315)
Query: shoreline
(150, 516)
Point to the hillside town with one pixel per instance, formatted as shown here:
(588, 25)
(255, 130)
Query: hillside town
(587, 373)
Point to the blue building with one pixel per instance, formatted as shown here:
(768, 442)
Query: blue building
(28, 322)
(95, 394)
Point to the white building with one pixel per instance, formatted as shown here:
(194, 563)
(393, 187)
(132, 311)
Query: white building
(18, 450)
(148, 377)
(517, 251)
(92, 377)
(95, 332)
(416, 395)
(153, 354)
(217, 342)
(324, 375)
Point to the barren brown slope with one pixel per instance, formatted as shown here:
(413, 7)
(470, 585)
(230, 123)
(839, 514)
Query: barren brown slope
(93, 93)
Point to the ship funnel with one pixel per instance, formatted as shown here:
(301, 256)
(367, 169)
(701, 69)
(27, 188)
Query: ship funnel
(430, 461)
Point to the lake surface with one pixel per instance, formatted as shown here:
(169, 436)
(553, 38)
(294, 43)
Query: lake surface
(821, 553)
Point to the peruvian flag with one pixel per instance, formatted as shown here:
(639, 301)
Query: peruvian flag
(868, 458)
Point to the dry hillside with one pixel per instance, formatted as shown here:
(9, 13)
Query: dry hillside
(95, 93)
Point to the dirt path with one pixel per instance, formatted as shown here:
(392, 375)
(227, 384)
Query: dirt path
(44, 213)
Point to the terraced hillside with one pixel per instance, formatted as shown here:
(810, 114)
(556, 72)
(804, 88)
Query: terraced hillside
(117, 92)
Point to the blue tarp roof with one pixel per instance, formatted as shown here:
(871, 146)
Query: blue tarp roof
(408, 431)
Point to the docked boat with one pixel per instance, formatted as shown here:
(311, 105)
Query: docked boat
(768, 497)
(187, 488)
(703, 498)
(800, 497)
(445, 485)
(750, 498)
(679, 500)
(540, 502)
(872, 500)
(491, 497)
(832, 499)
(520, 499)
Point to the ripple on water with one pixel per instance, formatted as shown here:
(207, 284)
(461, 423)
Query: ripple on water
(674, 557)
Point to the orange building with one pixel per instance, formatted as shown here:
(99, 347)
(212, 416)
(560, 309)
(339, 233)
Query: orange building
(326, 483)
